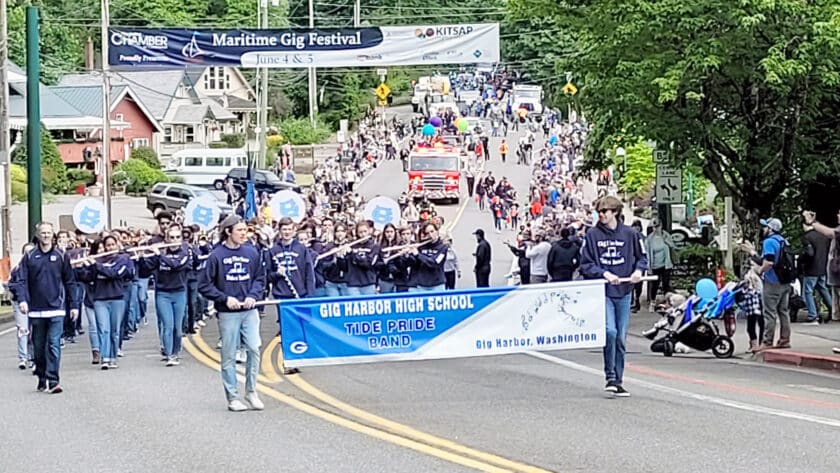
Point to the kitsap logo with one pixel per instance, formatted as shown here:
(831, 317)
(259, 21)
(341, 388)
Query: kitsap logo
(139, 40)
(191, 49)
(443, 32)
(298, 347)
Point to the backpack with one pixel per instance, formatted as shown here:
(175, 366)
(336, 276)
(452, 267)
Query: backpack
(785, 265)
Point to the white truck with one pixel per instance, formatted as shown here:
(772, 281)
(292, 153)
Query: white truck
(528, 97)
(422, 88)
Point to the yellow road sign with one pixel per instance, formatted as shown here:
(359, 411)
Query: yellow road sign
(569, 88)
(382, 91)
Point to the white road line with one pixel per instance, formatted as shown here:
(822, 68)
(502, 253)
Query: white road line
(700, 397)
(8, 330)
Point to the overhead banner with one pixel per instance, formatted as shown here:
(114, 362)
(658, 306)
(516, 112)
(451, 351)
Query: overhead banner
(447, 324)
(168, 48)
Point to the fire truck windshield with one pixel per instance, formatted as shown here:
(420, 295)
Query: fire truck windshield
(434, 163)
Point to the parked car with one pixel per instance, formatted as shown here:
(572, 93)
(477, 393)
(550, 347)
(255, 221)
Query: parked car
(166, 196)
(264, 181)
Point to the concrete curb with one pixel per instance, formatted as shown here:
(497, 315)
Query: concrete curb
(805, 360)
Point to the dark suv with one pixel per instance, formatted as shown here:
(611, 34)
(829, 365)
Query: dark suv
(264, 181)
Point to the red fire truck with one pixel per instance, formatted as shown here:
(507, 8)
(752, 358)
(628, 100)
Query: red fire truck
(435, 172)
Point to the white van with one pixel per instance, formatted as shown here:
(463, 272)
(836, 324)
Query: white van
(206, 166)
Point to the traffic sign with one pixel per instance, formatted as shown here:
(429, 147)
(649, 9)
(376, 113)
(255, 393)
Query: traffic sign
(660, 156)
(382, 72)
(383, 91)
(668, 184)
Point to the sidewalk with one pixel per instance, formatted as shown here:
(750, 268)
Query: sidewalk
(811, 344)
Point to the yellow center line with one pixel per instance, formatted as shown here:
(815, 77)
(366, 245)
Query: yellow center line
(347, 423)
(270, 376)
(451, 225)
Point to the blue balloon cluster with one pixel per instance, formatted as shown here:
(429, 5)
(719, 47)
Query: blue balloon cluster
(428, 129)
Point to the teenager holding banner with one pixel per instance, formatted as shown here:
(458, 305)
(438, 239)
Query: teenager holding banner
(234, 280)
(612, 250)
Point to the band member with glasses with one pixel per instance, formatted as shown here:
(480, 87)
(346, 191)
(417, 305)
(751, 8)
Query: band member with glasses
(234, 281)
(171, 267)
(612, 250)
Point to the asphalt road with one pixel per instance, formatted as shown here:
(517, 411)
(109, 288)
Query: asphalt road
(530, 412)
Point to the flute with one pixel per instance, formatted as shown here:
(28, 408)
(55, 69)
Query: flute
(133, 250)
(402, 247)
(405, 249)
(340, 248)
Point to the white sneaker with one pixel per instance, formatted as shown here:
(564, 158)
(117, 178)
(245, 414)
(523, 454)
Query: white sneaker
(202, 323)
(171, 362)
(651, 308)
(219, 344)
(241, 357)
(254, 401)
(237, 406)
(120, 354)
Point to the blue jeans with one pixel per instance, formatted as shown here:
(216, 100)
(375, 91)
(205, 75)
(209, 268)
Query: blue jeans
(361, 290)
(233, 327)
(386, 287)
(618, 319)
(171, 308)
(132, 309)
(809, 283)
(320, 292)
(109, 315)
(335, 289)
(22, 325)
(46, 343)
(439, 287)
(93, 333)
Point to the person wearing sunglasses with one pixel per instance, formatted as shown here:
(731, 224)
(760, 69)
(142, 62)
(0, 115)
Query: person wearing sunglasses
(612, 250)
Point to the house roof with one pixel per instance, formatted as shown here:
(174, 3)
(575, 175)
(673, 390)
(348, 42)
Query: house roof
(196, 113)
(155, 89)
(88, 99)
(194, 74)
(234, 102)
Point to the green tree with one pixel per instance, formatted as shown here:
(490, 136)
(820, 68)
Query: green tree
(639, 172)
(146, 154)
(53, 171)
(299, 131)
(137, 176)
(742, 90)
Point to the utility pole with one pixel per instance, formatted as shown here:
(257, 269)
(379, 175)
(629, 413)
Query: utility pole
(262, 91)
(33, 120)
(106, 115)
(5, 139)
(357, 13)
(313, 78)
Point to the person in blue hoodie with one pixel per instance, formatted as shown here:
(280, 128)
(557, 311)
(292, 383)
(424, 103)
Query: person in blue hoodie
(612, 250)
(234, 280)
(171, 267)
(110, 276)
(426, 262)
(291, 271)
(361, 263)
(44, 285)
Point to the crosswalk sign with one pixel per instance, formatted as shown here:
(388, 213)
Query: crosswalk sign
(383, 91)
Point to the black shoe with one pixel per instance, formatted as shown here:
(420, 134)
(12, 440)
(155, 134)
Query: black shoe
(81, 331)
(42, 385)
(611, 387)
(621, 392)
(71, 339)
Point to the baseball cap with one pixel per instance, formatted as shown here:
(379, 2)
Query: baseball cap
(773, 223)
(478, 231)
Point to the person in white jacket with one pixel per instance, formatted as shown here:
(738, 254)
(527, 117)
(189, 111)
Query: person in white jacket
(538, 254)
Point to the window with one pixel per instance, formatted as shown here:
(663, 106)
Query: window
(215, 161)
(193, 161)
(216, 78)
(189, 134)
(119, 117)
(167, 134)
(174, 193)
(138, 142)
(158, 188)
(227, 162)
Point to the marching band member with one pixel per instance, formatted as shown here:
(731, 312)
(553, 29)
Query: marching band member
(427, 261)
(361, 262)
(62, 242)
(45, 282)
(291, 271)
(334, 267)
(315, 245)
(233, 281)
(387, 239)
(111, 276)
(400, 266)
(171, 267)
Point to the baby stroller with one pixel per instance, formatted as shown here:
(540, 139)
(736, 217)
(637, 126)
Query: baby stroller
(696, 326)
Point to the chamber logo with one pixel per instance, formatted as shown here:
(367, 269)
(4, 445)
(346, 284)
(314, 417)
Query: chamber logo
(139, 40)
